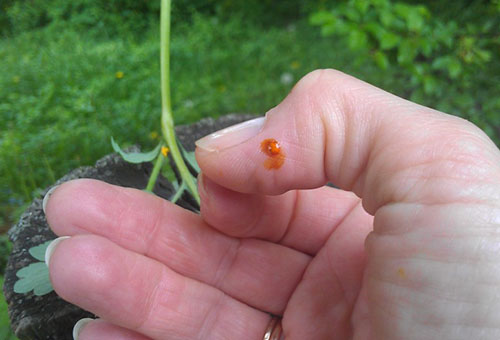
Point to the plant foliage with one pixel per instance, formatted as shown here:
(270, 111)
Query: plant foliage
(437, 56)
(136, 157)
(35, 276)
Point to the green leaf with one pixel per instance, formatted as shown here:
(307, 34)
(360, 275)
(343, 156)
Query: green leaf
(136, 157)
(406, 52)
(450, 64)
(387, 18)
(380, 3)
(483, 55)
(321, 18)
(430, 84)
(440, 63)
(388, 40)
(454, 68)
(403, 10)
(426, 46)
(381, 60)
(175, 184)
(38, 252)
(343, 27)
(33, 277)
(168, 173)
(415, 21)
(361, 5)
(328, 29)
(352, 14)
(357, 40)
(189, 157)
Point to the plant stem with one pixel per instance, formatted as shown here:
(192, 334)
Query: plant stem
(155, 172)
(167, 121)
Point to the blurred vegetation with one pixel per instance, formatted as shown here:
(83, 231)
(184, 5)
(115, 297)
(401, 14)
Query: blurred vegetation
(75, 73)
(446, 59)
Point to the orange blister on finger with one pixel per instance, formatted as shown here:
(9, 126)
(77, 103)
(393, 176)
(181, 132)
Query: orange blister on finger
(276, 157)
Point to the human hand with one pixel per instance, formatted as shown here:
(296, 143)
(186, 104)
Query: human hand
(407, 249)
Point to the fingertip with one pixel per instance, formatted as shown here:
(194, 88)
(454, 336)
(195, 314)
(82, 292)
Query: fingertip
(78, 327)
(84, 263)
(231, 136)
(45, 200)
(52, 247)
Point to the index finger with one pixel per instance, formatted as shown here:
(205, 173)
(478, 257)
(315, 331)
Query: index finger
(333, 127)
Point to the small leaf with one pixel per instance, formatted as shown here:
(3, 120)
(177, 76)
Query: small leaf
(189, 157)
(353, 14)
(454, 68)
(388, 40)
(136, 157)
(38, 252)
(387, 18)
(168, 173)
(380, 3)
(381, 60)
(361, 5)
(440, 63)
(175, 184)
(33, 277)
(406, 53)
(321, 18)
(328, 29)
(450, 64)
(357, 40)
(415, 21)
(483, 55)
(430, 84)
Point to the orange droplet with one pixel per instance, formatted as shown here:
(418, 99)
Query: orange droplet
(275, 154)
(402, 273)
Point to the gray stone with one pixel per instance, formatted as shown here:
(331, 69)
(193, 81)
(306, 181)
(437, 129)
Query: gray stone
(49, 317)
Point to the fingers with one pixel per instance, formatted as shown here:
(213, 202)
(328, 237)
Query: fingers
(333, 127)
(258, 273)
(300, 219)
(141, 294)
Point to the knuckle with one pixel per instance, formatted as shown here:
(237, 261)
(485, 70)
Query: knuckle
(316, 81)
(317, 91)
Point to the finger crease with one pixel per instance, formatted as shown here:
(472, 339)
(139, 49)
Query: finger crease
(226, 263)
(293, 217)
(211, 318)
(152, 237)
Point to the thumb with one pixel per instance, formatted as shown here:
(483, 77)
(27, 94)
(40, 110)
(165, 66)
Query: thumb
(335, 128)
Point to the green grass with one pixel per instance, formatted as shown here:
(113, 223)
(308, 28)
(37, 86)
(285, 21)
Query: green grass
(61, 99)
(5, 331)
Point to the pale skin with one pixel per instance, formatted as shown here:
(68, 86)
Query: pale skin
(407, 248)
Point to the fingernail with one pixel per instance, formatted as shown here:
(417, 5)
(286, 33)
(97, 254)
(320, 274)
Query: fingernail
(47, 196)
(77, 328)
(52, 246)
(201, 183)
(231, 136)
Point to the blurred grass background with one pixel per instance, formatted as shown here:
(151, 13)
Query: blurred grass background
(76, 72)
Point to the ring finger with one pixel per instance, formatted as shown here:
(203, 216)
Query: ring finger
(141, 294)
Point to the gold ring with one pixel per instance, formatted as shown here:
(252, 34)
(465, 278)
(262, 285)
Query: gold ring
(274, 329)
